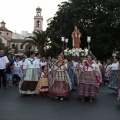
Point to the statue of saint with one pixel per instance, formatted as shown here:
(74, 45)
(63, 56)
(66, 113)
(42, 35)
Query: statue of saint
(76, 37)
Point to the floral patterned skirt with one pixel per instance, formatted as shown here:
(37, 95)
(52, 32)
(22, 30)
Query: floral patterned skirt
(87, 90)
(88, 84)
(60, 89)
(42, 86)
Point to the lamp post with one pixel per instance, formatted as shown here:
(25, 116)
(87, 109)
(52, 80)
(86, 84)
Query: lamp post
(66, 40)
(63, 40)
(29, 51)
(88, 40)
(48, 39)
(114, 54)
(49, 42)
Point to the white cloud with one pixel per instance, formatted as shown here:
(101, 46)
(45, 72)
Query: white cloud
(19, 14)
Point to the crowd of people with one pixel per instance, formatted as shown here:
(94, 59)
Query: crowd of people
(57, 77)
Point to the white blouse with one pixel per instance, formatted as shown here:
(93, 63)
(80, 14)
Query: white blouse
(31, 63)
(42, 74)
(75, 64)
(62, 67)
(38, 61)
(107, 68)
(17, 63)
(89, 68)
(43, 64)
(115, 66)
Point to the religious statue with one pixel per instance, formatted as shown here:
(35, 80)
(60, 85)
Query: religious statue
(76, 37)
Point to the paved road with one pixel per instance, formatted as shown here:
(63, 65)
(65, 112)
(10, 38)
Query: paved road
(13, 106)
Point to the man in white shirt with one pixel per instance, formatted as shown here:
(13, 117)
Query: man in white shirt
(3, 66)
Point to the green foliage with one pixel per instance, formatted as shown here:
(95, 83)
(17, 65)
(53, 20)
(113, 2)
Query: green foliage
(40, 40)
(99, 19)
(3, 47)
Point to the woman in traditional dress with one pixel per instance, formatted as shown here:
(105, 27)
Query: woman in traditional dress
(76, 37)
(30, 71)
(17, 70)
(42, 86)
(113, 84)
(60, 87)
(87, 86)
(107, 71)
(43, 62)
(70, 73)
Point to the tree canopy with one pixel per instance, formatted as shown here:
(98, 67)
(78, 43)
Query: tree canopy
(99, 19)
(41, 41)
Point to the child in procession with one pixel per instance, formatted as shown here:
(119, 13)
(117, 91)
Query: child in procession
(42, 86)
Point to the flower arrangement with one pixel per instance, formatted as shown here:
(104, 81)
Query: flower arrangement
(75, 52)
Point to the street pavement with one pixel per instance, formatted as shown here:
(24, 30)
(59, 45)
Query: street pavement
(13, 106)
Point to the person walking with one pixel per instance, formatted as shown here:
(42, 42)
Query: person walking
(88, 86)
(3, 67)
(60, 88)
(28, 85)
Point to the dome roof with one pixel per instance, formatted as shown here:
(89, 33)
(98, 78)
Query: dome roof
(39, 9)
(4, 29)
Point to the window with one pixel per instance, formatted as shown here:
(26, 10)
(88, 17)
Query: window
(38, 14)
(38, 24)
(0, 33)
(21, 46)
(13, 46)
(7, 33)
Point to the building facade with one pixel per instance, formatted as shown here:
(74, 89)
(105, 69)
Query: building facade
(14, 40)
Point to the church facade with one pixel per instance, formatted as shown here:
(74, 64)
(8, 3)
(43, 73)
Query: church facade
(13, 39)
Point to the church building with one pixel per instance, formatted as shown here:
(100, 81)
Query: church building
(14, 40)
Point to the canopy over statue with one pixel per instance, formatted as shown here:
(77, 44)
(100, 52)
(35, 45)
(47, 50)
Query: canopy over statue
(76, 37)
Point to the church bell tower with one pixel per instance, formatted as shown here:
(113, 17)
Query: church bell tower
(38, 20)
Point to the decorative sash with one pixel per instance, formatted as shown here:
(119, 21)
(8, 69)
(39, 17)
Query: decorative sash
(31, 61)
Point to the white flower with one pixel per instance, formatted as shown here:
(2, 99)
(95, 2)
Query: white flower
(73, 54)
(79, 49)
(86, 51)
(77, 54)
(70, 52)
(82, 54)
(73, 50)
(66, 50)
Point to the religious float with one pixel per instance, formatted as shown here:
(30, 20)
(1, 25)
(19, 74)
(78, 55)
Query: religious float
(76, 52)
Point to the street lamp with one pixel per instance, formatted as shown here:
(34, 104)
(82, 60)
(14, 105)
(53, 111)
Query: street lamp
(48, 39)
(63, 39)
(88, 40)
(29, 51)
(114, 54)
(49, 44)
(66, 40)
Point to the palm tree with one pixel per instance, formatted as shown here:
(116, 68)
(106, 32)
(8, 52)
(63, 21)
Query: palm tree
(40, 40)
